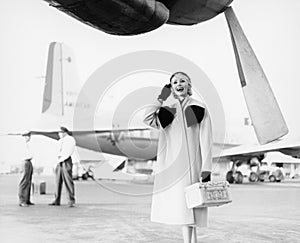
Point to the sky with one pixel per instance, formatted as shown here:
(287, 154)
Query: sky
(28, 27)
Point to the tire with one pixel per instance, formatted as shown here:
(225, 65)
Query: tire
(85, 176)
(272, 178)
(229, 176)
(239, 177)
(253, 177)
(261, 177)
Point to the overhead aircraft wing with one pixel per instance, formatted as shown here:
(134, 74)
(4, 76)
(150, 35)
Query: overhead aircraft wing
(133, 17)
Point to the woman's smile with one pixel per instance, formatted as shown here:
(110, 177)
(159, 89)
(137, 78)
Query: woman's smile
(179, 88)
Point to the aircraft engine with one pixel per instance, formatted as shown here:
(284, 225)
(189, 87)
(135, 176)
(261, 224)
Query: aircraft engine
(117, 17)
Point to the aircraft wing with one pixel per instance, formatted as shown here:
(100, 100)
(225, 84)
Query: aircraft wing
(287, 146)
(54, 134)
(136, 143)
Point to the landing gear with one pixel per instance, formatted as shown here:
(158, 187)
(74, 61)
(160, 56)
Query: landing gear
(272, 178)
(236, 177)
(253, 177)
(238, 170)
(256, 174)
(239, 177)
(229, 176)
(233, 175)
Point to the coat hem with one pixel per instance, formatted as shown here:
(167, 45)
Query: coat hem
(180, 224)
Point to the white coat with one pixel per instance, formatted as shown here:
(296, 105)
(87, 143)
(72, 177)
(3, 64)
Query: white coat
(183, 153)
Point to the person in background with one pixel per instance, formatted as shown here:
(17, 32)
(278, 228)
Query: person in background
(184, 155)
(26, 181)
(64, 166)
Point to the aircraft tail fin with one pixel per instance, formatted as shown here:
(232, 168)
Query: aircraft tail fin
(62, 83)
(268, 121)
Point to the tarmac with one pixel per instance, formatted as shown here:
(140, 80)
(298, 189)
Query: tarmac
(114, 211)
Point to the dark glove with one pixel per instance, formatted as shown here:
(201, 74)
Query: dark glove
(206, 176)
(165, 92)
(166, 115)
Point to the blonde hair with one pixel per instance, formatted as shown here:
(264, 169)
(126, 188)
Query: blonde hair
(189, 92)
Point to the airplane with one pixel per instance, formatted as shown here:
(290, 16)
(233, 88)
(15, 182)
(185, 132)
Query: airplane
(138, 142)
(135, 17)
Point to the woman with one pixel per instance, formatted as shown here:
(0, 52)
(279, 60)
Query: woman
(184, 154)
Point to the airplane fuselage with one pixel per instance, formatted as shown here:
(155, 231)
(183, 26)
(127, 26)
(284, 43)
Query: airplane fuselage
(120, 143)
(129, 144)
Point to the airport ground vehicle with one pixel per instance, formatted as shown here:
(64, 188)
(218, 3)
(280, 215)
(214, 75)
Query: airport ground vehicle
(269, 172)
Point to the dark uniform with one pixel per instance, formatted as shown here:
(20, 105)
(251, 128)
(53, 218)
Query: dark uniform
(26, 181)
(63, 169)
(63, 173)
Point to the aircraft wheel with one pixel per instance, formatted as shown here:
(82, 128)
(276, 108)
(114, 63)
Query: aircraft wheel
(253, 177)
(239, 177)
(85, 176)
(229, 176)
(261, 177)
(272, 178)
(278, 180)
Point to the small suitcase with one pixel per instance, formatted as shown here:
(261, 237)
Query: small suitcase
(207, 194)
